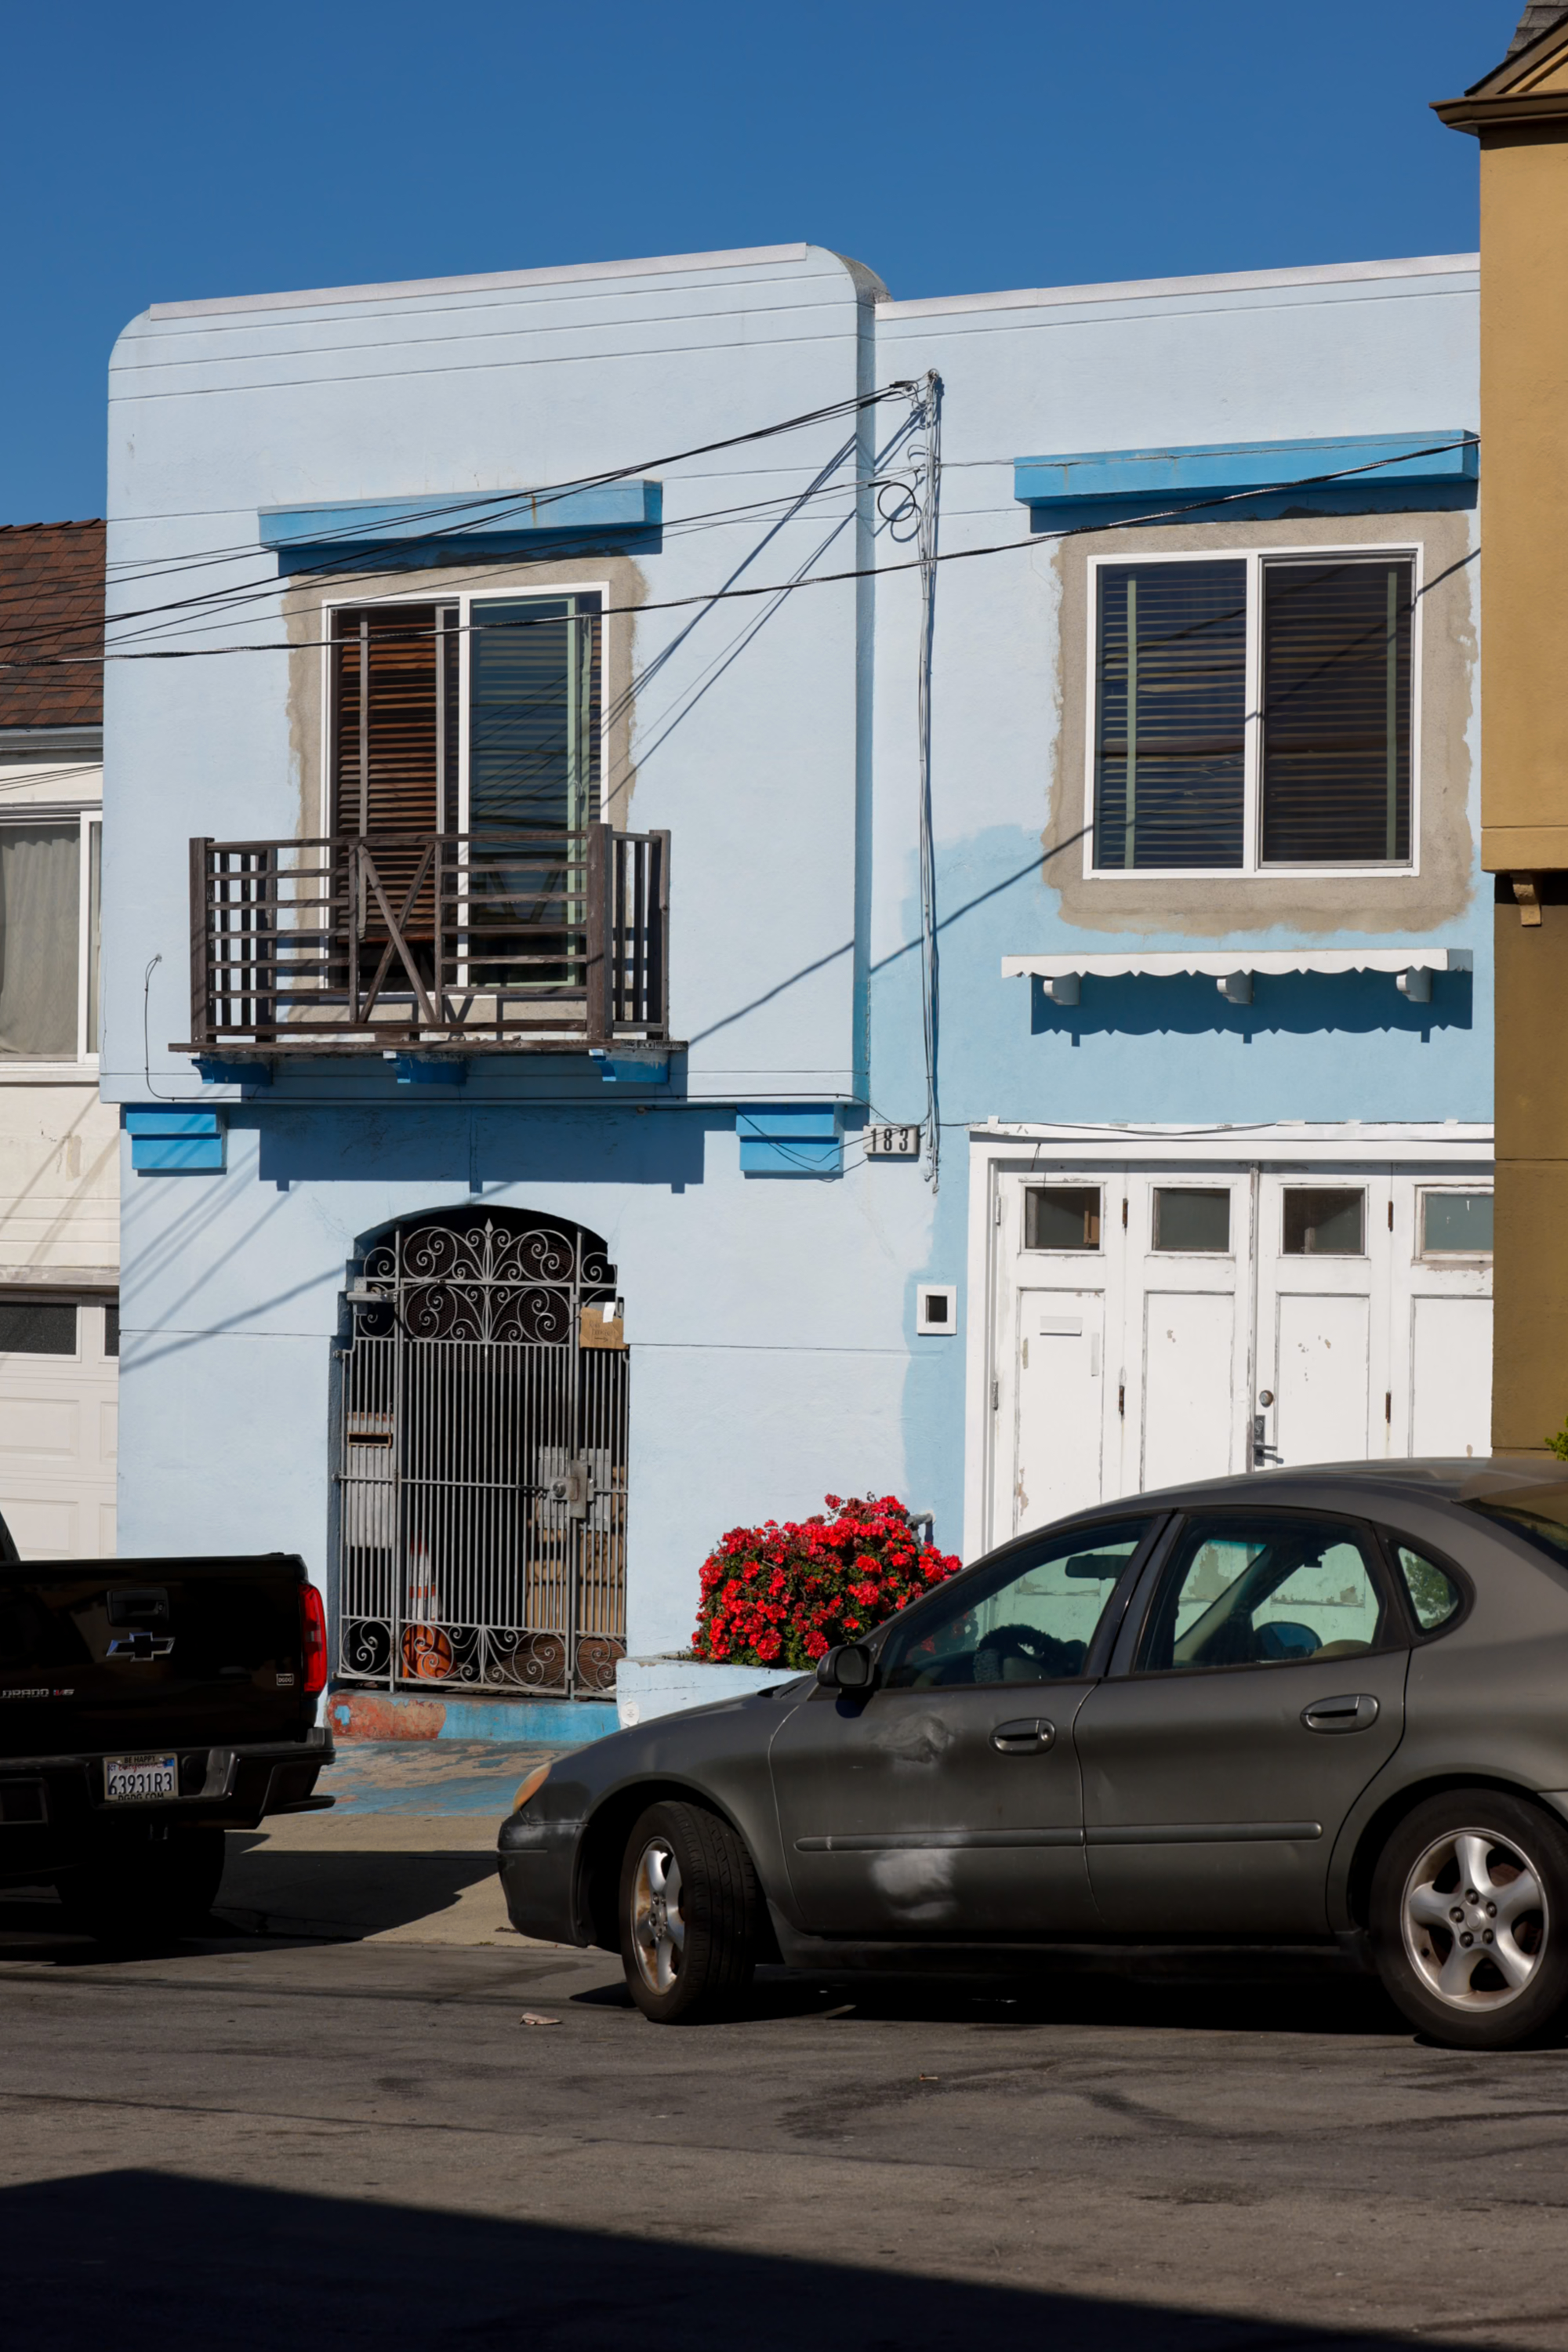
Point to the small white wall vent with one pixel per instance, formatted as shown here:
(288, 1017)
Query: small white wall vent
(936, 1309)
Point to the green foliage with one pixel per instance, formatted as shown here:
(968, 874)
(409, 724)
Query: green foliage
(1433, 1596)
(1559, 1444)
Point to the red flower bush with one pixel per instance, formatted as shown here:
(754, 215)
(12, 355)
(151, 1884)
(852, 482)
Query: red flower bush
(780, 1596)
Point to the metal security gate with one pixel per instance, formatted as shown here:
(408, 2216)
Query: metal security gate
(482, 1459)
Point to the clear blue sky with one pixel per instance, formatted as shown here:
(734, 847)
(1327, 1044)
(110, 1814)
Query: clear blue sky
(167, 150)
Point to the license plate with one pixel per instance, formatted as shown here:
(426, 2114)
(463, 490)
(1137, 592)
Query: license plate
(131, 1780)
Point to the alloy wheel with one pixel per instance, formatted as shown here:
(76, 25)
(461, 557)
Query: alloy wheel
(658, 1927)
(1474, 1919)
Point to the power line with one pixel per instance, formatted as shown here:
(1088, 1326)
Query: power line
(486, 508)
(814, 580)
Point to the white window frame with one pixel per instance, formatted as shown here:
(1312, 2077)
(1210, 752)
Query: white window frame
(1420, 1253)
(15, 1069)
(1251, 868)
(465, 600)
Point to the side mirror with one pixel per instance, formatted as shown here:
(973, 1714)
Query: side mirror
(847, 1667)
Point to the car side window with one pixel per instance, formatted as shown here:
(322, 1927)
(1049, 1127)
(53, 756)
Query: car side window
(1433, 1595)
(1029, 1619)
(1256, 1589)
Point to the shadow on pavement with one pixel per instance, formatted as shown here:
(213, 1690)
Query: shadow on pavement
(345, 1894)
(152, 2263)
(322, 1897)
(1353, 2008)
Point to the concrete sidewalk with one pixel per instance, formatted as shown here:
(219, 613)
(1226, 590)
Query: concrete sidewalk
(407, 1853)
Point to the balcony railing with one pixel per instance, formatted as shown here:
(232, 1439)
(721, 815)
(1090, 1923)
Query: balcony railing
(394, 941)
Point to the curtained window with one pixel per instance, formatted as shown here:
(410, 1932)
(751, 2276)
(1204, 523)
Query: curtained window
(40, 924)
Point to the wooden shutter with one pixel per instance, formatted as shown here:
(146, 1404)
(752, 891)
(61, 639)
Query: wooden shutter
(394, 714)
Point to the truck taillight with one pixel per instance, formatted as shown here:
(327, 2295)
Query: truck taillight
(313, 1639)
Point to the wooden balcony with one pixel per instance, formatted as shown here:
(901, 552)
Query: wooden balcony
(399, 941)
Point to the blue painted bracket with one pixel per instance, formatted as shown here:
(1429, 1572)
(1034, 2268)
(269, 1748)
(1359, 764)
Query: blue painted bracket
(790, 1139)
(216, 1072)
(630, 1069)
(177, 1142)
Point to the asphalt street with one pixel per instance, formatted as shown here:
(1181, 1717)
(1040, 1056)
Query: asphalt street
(333, 2117)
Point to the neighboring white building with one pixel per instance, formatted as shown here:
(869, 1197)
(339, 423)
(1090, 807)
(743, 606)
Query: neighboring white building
(60, 1206)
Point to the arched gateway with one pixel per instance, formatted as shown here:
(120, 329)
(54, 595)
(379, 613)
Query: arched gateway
(480, 1457)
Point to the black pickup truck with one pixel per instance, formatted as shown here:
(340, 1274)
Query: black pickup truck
(146, 1705)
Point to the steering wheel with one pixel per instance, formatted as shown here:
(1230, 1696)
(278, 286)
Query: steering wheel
(1041, 1655)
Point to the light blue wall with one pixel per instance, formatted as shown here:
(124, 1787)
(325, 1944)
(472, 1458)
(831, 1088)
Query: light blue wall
(770, 1322)
(774, 1354)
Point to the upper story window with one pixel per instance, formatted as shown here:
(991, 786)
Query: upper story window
(1253, 713)
(476, 716)
(49, 937)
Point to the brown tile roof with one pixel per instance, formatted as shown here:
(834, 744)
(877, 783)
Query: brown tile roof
(1538, 18)
(51, 603)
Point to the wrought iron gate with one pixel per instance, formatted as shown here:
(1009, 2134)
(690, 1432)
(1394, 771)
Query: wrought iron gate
(482, 1459)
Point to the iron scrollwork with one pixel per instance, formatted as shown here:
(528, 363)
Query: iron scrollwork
(483, 1282)
(468, 1557)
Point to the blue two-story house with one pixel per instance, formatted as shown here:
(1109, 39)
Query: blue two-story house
(719, 888)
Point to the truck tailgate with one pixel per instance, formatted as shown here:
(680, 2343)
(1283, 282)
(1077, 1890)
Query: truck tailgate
(96, 1654)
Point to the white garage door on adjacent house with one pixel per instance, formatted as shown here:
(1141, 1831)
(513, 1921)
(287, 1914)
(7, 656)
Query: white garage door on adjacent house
(59, 1410)
(1160, 1322)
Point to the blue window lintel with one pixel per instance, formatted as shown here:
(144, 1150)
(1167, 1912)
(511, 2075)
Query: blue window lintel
(1444, 455)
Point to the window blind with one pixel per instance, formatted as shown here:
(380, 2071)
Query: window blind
(534, 770)
(1336, 712)
(533, 715)
(1170, 750)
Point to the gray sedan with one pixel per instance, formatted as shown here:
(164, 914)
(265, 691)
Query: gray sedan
(1308, 1708)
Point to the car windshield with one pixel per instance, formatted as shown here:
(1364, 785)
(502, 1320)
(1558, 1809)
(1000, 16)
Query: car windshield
(1539, 1514)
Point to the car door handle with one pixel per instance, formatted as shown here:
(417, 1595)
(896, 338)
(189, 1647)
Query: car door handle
(1350, 1714)
(1032, 1737)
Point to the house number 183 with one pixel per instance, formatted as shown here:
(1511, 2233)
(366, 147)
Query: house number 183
(892, 1143)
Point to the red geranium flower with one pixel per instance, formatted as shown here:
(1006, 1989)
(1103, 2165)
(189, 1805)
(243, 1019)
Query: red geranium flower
(781, 1594)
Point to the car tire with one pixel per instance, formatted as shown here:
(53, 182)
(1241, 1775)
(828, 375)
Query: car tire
(1470, 1918)
(690, 1915)
(138, 1889)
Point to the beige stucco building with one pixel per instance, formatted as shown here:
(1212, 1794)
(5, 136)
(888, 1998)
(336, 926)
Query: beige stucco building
(1518, 112)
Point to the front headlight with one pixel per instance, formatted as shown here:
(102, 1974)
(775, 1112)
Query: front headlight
(530, 1787)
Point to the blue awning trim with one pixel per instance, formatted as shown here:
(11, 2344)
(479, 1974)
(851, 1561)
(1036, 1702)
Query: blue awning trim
(1374, 469)
(446, 527)
(1446, 454)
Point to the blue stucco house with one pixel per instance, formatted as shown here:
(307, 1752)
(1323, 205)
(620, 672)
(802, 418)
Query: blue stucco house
(719, 888)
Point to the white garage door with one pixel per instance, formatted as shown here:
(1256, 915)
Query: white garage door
(1159, 1324)
(58, 1408)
